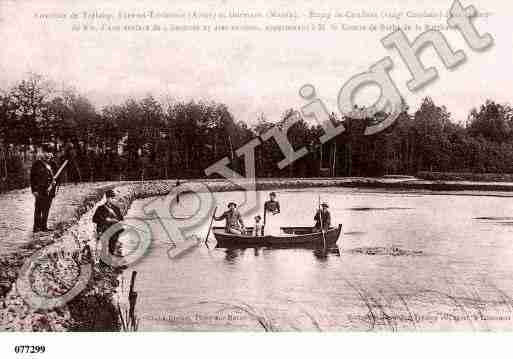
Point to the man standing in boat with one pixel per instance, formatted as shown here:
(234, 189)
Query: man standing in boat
(322, 218)
(234, 223)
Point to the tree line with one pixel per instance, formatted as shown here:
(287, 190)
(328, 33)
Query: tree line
(147, 139)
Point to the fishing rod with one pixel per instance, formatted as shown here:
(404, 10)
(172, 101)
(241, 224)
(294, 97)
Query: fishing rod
(322, 224)
(56, 176)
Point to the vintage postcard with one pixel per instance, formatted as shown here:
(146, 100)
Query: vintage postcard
(333, 166)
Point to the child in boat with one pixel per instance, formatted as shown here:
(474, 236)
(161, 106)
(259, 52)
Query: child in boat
(258, 228)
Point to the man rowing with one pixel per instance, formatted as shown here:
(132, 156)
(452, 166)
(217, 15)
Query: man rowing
(322, 218)
(234, 223)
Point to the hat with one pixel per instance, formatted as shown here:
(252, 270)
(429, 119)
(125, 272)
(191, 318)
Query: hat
(110, 194)
(272, 194)
(229, 204)
(324, 204)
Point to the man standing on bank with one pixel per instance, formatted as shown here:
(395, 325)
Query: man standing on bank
(233, 219)
(43, 187)
(322, 218)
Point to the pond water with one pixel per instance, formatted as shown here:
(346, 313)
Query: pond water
(406, 261)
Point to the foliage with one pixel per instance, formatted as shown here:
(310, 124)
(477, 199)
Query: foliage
(148, 139)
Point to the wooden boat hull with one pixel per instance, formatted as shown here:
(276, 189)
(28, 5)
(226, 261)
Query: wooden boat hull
(292, 237)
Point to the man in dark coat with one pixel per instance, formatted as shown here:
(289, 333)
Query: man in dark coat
(322, 218)
(105, 216)
(43, 187)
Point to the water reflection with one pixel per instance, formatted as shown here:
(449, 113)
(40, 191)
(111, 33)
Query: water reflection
(426, 267)
(354, 233)
(232, 255)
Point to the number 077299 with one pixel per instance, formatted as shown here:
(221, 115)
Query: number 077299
(29, 349)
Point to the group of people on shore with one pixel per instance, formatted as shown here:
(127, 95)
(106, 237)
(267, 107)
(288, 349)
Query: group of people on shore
(44, 180)
(271, 224)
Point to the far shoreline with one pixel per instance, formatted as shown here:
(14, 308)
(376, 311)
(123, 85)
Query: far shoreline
(399, 182)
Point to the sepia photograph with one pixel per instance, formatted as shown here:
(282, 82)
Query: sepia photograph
(219, 166)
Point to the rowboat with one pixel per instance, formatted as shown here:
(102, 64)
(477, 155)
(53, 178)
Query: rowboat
(291, 237)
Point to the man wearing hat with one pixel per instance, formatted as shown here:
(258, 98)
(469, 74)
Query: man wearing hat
(105, 216)
(43, 188)
(234, 223)
(322, 218)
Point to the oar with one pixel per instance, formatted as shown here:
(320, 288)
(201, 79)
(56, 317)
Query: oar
(263, 227)
(210, 226)
(322, 225)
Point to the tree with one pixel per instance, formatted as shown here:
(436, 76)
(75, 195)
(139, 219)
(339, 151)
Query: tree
(493, 121)
(30, 100)
(429, 124)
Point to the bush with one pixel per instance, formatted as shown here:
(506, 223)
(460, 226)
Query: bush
(17, 175)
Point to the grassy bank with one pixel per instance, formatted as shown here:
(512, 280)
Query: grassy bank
(16, 315)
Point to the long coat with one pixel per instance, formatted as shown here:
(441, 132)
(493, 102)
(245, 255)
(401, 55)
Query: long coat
(104, 213)
(324, 217)
(41, 177)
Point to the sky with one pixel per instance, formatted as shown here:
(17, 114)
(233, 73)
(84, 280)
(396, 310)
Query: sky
(253, 72)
